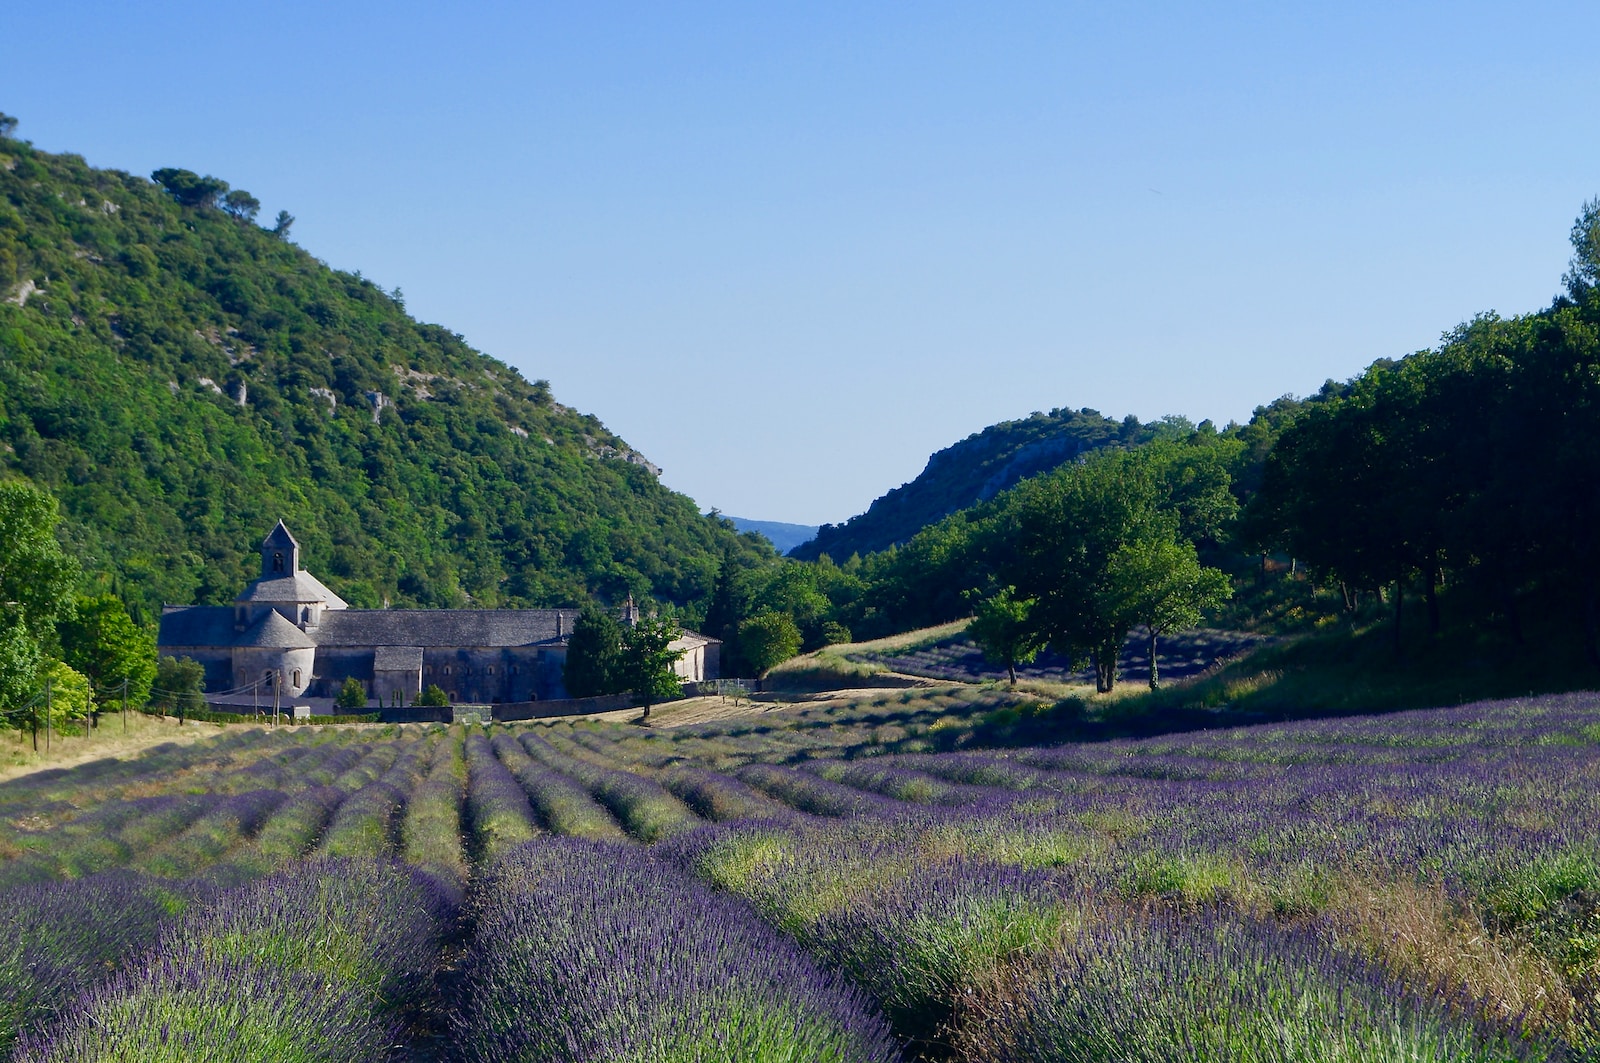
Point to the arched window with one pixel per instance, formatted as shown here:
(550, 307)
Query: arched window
(447, 669)
(277, 561)
(297, 677)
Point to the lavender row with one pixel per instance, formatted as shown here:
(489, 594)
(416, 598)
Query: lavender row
(669, 970)
(563, 806)
(327, 961)
(496, 804)
(642, 806)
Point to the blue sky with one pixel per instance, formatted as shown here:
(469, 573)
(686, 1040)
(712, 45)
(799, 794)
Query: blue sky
(788, 251)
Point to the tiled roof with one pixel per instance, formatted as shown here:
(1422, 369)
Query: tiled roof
(440, 627)
(273, 630)
(407, 631)
(397, 658)
(196, 625)
(302, 587)
(279, 536)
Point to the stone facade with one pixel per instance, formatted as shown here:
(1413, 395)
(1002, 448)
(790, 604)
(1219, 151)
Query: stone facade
(288, 629)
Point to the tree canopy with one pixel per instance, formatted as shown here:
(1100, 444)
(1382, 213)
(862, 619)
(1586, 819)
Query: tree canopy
(645, 664)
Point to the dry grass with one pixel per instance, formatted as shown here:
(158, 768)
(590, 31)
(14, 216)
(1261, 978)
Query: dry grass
(18, 758)
(1424, 937)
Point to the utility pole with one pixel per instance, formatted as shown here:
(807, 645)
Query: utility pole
(277, 683)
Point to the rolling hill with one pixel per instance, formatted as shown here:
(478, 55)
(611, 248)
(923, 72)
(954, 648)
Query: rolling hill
(181, 377)
(972, 471)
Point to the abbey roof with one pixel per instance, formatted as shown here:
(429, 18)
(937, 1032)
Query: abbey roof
(302, 588)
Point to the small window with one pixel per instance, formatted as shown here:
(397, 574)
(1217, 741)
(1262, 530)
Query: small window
(513, 669)
(491, 669)
(297, 677)
(427, 670)
(447, 669)
(277, 562)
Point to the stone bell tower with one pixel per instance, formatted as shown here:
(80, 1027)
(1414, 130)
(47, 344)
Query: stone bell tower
(280, 554)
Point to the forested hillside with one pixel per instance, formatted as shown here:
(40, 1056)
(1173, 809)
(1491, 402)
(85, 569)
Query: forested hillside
(975, 470)
(181, 377)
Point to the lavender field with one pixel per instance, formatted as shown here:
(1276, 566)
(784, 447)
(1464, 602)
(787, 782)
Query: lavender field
(836, 884)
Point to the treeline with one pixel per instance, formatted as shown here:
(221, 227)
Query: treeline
(62, 651)
(1474, 466)
(1464, 479)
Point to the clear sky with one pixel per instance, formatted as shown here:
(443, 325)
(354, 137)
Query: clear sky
(789, 250)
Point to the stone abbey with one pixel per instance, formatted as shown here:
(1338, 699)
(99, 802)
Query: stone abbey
(288, 627)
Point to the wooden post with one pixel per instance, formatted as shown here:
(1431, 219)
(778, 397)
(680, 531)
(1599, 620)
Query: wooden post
(49, 710)
(124, 705)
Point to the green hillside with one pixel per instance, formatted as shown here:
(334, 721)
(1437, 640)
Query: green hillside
(972, 471)
(181, 377)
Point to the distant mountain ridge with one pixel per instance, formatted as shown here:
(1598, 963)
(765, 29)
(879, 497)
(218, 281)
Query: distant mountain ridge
(181, 378)
(783, 537)
(976, 469)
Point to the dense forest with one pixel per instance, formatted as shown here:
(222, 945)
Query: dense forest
(180, 377)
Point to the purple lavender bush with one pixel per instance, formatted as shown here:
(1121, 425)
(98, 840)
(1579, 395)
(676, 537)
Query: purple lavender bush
(1215, 988)
(586, 951)
(184, 1006)
(58, 939)
(642, 806)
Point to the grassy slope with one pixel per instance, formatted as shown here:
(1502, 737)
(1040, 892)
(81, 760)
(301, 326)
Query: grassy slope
(128, 324)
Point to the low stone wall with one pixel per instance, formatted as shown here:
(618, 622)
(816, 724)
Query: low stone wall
(512, 710)
(536, 710)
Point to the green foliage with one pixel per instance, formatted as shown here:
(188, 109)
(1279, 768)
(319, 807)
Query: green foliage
(70, 697)
(101, 641)
(179, 684)
(1106, 543)
(1162, 585)
(645, 665)
(121, 377)
(1002, 626)
(36, 581)
(433, 697)
(593, 665)
(1584, 271)
(973, 471)
(1458, 467)
(189, 188)
(767, 639)
(352, 695)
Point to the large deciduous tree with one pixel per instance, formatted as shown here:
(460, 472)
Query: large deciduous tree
(1165, 588)
(179, 686)
(767, 639)
(1003, 627)
(1057, 539)
(102, 641)
(647, 659)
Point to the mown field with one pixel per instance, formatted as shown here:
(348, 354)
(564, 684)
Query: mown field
(834, 883)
